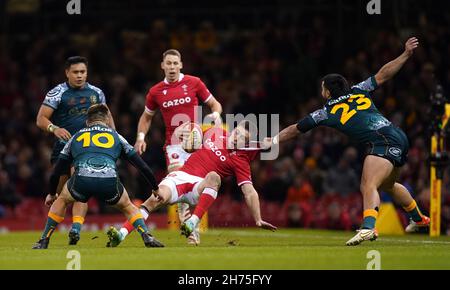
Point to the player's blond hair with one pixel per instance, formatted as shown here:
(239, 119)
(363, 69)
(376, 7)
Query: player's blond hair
(171, 52)
(97, 112)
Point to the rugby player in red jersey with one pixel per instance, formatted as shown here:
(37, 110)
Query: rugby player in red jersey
(198, 181)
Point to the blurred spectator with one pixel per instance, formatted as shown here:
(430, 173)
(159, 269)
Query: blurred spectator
(342, 178)
(299, 215)
(8, 196)
(333, 217)
(300, 191)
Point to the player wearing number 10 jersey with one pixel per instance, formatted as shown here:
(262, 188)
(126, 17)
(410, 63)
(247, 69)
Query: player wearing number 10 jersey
(94, 151)
(351, 111)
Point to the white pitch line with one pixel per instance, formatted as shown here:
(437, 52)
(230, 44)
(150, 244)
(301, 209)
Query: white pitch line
(283, 235)
(415, 241)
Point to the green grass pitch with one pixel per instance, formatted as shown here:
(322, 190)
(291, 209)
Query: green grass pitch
(240, 249)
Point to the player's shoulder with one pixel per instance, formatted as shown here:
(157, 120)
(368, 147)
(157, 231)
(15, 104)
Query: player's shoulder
(156, 88)
(190, 79)
(321, 114)
(54, 96)
(126, 146)
(118, 135)
(58, 90)
(366, 86)
(358, 91)
(94, 88)
(187, 77)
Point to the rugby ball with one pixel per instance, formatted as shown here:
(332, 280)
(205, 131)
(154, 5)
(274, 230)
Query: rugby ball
(192, 138)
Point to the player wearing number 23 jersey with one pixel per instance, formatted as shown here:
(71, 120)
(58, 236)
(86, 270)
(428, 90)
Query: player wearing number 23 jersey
(356, 116)
(351, 111)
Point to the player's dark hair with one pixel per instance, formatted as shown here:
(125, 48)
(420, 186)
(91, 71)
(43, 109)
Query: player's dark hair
(336, 84)
(98, 112)
(171, 52)
(74, 60)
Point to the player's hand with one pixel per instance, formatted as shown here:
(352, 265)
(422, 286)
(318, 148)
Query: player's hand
(186, 214)
(140, 146)
(182, 132)
(265, 225)
(50, 199)
(410, 45)
(62, 133)
(215, 117)
(267, 143)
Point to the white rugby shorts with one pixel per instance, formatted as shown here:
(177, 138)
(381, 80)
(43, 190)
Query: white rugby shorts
(183, 187)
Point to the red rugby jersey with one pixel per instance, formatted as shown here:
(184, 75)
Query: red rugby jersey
(177, 101)
(214, 156)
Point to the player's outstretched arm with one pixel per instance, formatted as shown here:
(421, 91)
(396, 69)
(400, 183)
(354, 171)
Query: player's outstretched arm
(285, 135)
(252, 200)
(392, 67)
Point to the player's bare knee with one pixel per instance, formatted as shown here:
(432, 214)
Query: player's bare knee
(163, 194)
(213, 180)
(163, 198)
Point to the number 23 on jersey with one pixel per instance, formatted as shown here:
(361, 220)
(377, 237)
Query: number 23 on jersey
(363, 104)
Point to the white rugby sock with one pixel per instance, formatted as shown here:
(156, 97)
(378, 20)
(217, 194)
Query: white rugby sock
(144, 214)
(124, 232)
(195, 220)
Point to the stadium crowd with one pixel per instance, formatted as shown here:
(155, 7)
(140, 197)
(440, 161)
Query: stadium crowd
(273, 68)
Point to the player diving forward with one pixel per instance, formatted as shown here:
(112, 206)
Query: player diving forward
(198, 181)
(94, 151)
(351, 111)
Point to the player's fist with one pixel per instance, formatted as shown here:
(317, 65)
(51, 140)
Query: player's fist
(215, 117)
(265, 225)
(410, 45)
(267, 143)
(62, 133)
(50, 199)
(140, 146)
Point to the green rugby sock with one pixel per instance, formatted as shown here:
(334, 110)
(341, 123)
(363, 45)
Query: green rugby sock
(370, 218)
(138, 223)
(52, 222)
(413, 211)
